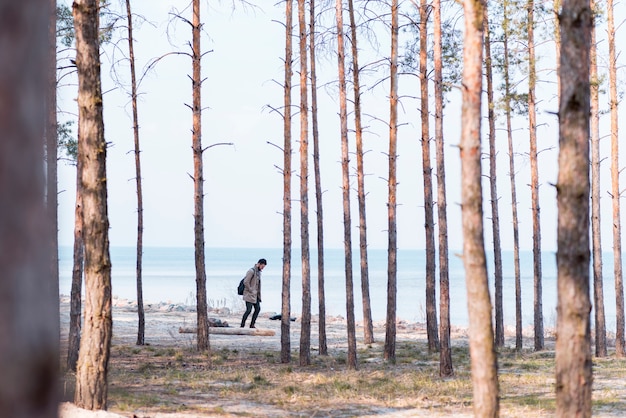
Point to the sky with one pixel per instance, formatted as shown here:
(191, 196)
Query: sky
(243, 72)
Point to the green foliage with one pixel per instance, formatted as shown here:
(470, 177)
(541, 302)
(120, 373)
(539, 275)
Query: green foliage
(67, 141)
(451, 49)
(65, 25)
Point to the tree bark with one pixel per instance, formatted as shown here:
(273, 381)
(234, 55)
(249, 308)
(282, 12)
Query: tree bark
(305, 329)
(345, 170)
(534, 182)
(392, 250)
(482, 352)
(77, 277)
(141, 324)
(429, 221)
(598, 290)
(29, 306)
(95, 345)
(620, 346)
(573, 343)
(285, 341)
(368, 326)
(321, 300)
(445, 353)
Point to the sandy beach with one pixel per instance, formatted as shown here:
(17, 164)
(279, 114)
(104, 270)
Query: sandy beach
(164, 322)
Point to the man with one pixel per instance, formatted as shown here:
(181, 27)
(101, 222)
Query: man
(252, 292)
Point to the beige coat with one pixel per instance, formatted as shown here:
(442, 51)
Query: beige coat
(252, 282)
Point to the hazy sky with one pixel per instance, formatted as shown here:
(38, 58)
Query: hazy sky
(244, 186)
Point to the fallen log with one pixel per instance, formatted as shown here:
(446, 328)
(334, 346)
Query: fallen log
(259, 332)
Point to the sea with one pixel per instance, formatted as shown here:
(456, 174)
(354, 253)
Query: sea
(169, 277)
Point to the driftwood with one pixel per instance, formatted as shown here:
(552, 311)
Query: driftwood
(231, 331)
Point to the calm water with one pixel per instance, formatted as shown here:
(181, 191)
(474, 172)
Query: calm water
(169, 276)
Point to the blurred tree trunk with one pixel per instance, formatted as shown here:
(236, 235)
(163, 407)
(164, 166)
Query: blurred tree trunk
(445, 353)
(481, 341)
(620, 348)
(198, 182)
(392, 249)
(495, 214)
(509, 130)
(95, 344)
(29, 306)
(368, 327)
(305, 329)
(429, 221)
(321, 301)
(77, 277)
(52, 143)
(133, 85)
(573, 343)
(598, 291)
(285, 323)
(534, 181)
(345, 169)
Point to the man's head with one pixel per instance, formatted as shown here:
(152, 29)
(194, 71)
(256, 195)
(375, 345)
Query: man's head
(262, 263)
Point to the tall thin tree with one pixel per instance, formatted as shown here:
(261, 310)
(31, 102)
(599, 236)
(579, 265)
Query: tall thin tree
(620, 346)
(29, 305)
(198, 181)
(429, 220)
(305, 329)
(445, 352)
(392, 249)
(534, 179)
(285, 340)
(95, 345)
(493, 189)
(141, 325)
(321, 297)
(345, 170)
(573, 342)
(482, 351)
(508, 98)
(368, 326)
(598, 289)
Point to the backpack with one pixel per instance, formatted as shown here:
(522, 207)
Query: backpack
(241, 287)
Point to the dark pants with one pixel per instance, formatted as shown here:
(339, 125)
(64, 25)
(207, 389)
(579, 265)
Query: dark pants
(249, 306)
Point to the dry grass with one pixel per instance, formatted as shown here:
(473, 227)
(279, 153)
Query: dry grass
(150, 379)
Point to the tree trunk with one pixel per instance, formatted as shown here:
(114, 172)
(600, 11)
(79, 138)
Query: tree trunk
(534, 182)
(305, 329)
(429, 221)
(620, 347)
(77, 277)
(198, 184)
(323, 346)
(95, 344)
(345, 170)
(445, 352)
(29, 306)
(52, 142)
(368, 326)
(573, 343)
(482, 352)
(392, 250)
(285, 341)
(495, 214)
(509, 130)
(598, 291)
(133, 85)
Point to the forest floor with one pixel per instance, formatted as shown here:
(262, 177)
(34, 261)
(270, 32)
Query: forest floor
(242, 375)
